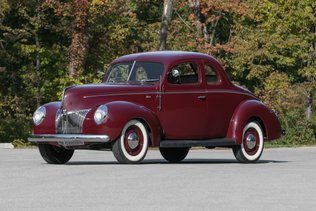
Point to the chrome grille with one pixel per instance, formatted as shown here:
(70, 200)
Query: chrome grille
(70, 122)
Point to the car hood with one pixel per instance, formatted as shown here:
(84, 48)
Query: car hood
(92, 95)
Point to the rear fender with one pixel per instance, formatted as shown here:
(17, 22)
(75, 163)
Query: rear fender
(253, 109)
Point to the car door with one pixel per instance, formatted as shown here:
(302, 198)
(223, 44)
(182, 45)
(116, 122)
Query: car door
(184, 104)
(221, 101)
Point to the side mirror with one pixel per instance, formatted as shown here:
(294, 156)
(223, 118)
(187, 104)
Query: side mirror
(175, 73)
(174, 77)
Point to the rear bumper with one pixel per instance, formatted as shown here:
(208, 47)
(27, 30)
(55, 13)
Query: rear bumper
(69, 139)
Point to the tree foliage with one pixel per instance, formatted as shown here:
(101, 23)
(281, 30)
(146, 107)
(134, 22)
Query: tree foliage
(268, 46)
(276, 59)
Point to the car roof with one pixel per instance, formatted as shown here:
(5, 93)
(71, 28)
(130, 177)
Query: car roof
(169, 57)
(162, 56)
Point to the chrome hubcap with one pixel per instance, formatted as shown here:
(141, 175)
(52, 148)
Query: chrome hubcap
(251, 141)
(133, 140)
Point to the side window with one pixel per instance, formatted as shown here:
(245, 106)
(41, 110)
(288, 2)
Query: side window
(185, 73)
(210, 74)
(141, 73)
(119, 73)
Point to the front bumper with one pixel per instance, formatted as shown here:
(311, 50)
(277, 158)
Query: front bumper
(69, 139)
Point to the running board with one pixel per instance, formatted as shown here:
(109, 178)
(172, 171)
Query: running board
(219, 142)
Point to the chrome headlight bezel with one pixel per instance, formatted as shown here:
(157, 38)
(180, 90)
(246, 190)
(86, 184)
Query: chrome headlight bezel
(39, 115)
(100, 114)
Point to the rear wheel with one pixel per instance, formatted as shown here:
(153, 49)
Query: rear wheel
(55, 155)
(132, 145)
(251, 147)
(174, 154)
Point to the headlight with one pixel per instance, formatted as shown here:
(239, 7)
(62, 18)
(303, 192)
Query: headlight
(39, 115)
(100, 114)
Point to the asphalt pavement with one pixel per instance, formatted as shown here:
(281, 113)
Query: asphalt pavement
(284, 179)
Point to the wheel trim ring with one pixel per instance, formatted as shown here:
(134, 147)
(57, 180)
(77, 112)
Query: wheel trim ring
(251, 131)
(254, 150)
(133, 151)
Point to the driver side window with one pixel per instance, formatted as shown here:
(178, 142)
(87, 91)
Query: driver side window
(184, 73)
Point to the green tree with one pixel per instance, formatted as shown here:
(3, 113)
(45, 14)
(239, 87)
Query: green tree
(32, 52)
(276, 59)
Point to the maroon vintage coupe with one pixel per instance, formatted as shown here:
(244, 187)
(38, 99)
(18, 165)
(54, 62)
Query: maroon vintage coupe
(168, 99)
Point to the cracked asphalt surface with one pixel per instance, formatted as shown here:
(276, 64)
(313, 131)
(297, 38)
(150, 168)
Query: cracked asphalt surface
(283, 179)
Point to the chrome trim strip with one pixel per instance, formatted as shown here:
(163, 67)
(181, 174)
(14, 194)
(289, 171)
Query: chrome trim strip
(165, 93)
(119, 94)
(77, 111)
(68, 138)
(57, 118)
(130, 73)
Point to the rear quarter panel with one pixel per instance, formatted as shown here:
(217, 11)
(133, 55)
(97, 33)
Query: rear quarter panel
(254, 109)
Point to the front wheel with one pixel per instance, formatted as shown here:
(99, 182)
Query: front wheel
(251, 147)
(174, 155)
(55, 155)
(132, 145)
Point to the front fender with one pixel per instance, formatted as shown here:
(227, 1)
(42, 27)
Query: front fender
(119, 113)
(253, 109)
(48, 124)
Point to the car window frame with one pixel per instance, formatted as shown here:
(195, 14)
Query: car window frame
(131, 71)
(199, 72)
(218, 74)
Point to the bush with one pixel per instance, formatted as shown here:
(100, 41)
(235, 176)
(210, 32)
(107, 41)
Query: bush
(12, 129)
(299, 132)
(21, 143)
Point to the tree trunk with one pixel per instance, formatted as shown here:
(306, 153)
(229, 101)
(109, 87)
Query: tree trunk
(79, 43)
(38, 74)
(212, 36)
(309, 108)
(165, 22)
(311, 81)
(195, 6)
(38, 62)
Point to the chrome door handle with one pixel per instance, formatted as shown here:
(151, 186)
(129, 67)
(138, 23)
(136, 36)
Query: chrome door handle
(202, 97)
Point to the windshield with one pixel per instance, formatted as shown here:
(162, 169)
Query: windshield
(135, 72)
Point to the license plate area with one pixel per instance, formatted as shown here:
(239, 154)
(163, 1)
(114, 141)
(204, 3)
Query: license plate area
(71, 143)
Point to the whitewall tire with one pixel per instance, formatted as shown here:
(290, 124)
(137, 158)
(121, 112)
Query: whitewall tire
(252, 144)
(132, 145)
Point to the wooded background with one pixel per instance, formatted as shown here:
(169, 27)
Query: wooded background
(268, 46)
